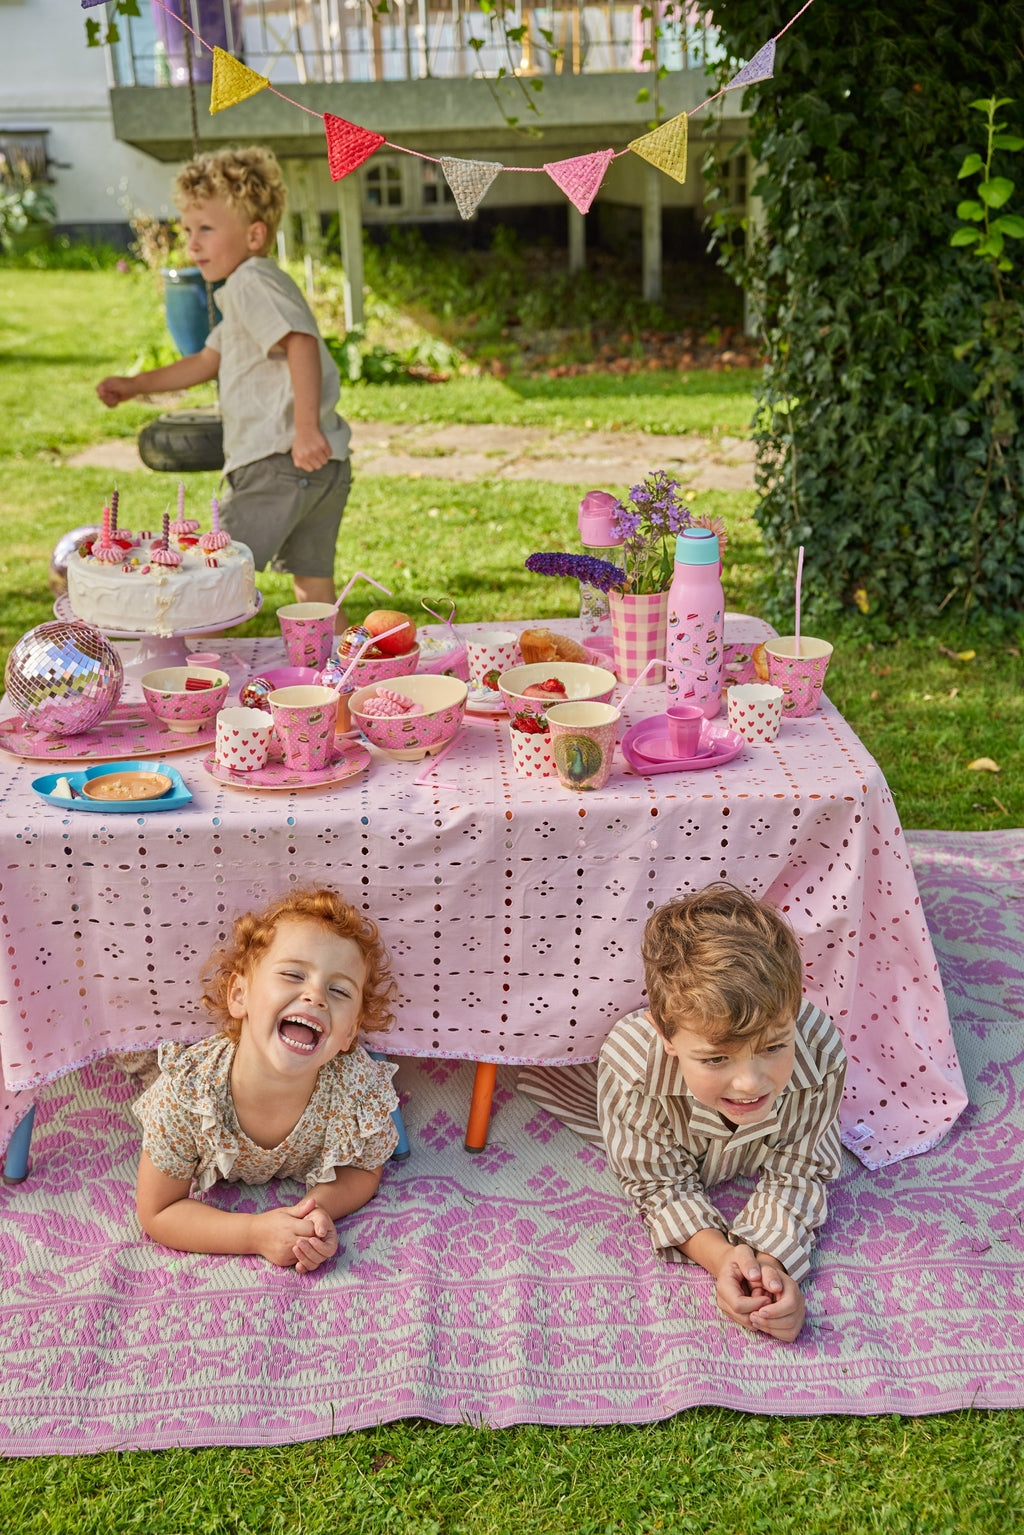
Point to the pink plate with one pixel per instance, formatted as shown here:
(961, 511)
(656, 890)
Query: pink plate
(718, 743)
(349, 759)
(129, 731)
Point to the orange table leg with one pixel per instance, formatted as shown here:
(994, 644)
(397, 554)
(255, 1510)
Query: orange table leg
(480, 1107)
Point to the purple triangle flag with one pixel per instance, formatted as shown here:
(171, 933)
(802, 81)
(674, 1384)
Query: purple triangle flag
(761, 67)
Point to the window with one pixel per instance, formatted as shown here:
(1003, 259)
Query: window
(436, 191)
(383, 186)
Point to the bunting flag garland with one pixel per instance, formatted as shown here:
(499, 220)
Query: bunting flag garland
(233, 81)
(348, 145)
(666, 147)
(469, 181)
(580, 177)
(761, 67)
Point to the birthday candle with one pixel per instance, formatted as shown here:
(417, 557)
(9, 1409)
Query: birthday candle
(114, 499)
(215, 514)
(166, 533)
(105, 538)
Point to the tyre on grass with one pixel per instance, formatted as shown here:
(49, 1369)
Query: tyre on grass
(183, 441)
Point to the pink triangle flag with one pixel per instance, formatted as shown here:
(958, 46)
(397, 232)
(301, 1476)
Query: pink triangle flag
(580, 177)
(761, 67)
(348, 145)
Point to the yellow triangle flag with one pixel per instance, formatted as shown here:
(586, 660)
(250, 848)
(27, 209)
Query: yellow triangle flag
(665, 147)
(233, 81)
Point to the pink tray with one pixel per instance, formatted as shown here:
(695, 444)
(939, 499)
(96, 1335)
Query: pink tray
(349, 759)
(130, 731)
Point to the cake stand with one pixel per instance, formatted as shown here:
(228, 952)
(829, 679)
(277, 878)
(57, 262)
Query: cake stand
(157, 651)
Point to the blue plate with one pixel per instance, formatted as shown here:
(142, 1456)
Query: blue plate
(176, 796)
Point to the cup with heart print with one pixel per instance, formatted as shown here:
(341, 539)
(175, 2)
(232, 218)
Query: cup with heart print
(755, 711)
(491, 653)
(243, 739)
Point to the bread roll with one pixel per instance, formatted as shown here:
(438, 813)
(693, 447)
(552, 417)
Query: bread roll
(545, 645)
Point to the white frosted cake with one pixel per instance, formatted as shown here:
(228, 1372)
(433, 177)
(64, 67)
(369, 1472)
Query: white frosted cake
(138, 591)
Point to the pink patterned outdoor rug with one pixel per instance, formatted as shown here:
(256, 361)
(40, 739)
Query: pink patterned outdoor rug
(516, 1286)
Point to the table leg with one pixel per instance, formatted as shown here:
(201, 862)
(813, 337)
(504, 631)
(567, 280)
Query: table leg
(480, 1107)
(16, 1165)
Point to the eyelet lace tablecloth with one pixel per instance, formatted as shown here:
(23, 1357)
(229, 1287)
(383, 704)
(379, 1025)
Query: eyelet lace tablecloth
(513, 909)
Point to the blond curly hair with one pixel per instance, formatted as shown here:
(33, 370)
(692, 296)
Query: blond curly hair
(249, 181)
(254, 933)
(721, 963)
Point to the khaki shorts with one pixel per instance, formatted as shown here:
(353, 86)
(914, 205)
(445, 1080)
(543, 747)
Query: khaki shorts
(288, 517)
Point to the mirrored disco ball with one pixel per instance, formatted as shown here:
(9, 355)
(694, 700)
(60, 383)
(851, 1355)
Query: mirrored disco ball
(62, 551)
(63, 677)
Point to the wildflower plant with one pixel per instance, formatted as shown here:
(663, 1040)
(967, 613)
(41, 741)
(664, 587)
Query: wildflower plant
(648, 522)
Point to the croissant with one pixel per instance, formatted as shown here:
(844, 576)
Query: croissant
(545, 645)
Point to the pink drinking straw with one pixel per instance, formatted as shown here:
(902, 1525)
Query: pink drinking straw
(365, 646)
(435, 763)
(799, 584)
(654, 661)
(362, 576)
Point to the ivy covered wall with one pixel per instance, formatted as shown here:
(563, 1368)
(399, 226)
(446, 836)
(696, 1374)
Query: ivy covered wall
(889, 422)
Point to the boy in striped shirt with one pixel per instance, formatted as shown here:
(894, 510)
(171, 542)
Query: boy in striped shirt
(727, 1072)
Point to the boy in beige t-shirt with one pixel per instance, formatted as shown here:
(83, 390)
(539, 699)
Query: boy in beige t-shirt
(285, 447)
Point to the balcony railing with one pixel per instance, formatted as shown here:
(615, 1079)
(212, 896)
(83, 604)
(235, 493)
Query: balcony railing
(348, 41)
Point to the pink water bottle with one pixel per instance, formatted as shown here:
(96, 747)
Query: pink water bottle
(696, 616)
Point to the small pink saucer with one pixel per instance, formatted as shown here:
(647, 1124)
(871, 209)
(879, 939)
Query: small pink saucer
(645, 747)
(349, 759)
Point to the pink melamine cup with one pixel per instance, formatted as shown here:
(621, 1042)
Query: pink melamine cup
(800, 677)
(583, 743)
(305, 719)
(307, 629)
(684, 724)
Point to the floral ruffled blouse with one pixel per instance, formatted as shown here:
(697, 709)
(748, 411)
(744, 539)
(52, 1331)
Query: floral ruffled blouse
(190, 1129)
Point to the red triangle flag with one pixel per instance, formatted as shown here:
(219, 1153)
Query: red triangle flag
(348, 145)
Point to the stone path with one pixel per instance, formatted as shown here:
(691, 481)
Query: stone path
(515, 453)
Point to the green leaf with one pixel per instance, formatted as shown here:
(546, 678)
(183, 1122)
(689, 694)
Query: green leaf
(970, 210)
(971, 164)
(991, 246)
(965, 236)
(996, 191)
(1007, 141)
(643, 94)
(1010, 224)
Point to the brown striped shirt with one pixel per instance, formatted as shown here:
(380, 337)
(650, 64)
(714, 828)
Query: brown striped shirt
(667, 1149)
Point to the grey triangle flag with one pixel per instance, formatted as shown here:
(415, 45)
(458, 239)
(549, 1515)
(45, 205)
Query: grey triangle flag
(761, 67)
(469, 181)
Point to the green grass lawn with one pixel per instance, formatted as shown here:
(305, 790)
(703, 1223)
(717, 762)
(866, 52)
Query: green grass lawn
(923, 713)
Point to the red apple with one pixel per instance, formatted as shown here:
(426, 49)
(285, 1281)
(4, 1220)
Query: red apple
(386, 618)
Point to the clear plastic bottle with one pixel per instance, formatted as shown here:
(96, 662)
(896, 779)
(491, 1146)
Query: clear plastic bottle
(696, 617)
(599, 539)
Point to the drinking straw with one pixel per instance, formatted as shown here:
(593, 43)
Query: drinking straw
(799, 583)
(361, 575)
(654, 661)
(373, 639)
(435, 763)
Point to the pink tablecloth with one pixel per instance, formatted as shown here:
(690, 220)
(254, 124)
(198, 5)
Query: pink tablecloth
(513, 909)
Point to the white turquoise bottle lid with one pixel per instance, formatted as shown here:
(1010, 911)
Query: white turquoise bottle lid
(697, 546)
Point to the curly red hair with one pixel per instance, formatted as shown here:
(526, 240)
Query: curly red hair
(254, 933)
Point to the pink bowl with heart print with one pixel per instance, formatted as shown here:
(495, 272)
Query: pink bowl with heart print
(755, 711)
(243, 739)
